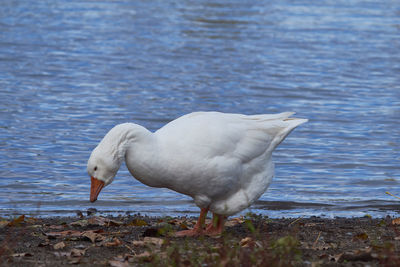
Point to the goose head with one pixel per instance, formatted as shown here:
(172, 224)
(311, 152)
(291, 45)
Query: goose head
(105, 161)
(102, 168)
(107, 157)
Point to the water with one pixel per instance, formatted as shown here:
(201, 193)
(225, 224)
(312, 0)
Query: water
(70, 70)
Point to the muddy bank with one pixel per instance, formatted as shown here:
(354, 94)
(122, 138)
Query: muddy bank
(248, 241)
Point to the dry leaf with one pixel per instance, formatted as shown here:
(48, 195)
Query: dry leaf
(154, 240)
(137, 222)
(183, 226)
(17, 221)
(129, 257)
(321, 246)
(176, 221)
(93, 235)
(77, 252)
(80, 223)
(362, 236)
(148, 240)
(117, 263)
(245, 241)
(336, 257)
(115, 242)
(138, 243)
(59, 245)
(145, 256)
(3, 223)
(396, 221)
(56, 227)
(249, 242)
(234, 221)
(312, 224)
(76, 260)
(101, 221)
(63, 234)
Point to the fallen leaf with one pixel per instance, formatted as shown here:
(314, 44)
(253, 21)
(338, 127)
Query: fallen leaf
(320, 246)
(336, 257)
(154, 241)
(362, 236)
(57, 227)
(76, 260)
(63, 234)
(77, 252)
(138, 243)
(183, 226)
(93, 235)
(245, 241)
(119, 258)
(101, 221)
(115, 242)
(17, 221)
(137, 222)
(312, 224)
(80, 223)
(145, 256)
(129, 257)
(249, 242)
(234, 221)
(3, 223)
(396, 221)
(35, 226)
(119, 233)
(59, 245)
(117, 263)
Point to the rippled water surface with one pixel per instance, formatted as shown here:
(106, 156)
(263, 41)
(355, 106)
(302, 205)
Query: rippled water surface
(70, 70)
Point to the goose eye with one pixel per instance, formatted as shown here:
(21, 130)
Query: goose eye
(95, 168)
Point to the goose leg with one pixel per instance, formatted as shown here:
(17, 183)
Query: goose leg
(216, 226)
(198, 227)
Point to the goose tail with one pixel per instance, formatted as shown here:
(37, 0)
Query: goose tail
(286, 126)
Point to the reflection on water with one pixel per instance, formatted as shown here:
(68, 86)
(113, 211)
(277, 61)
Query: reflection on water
(70, 70)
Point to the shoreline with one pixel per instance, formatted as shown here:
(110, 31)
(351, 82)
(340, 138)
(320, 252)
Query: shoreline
(134, 240)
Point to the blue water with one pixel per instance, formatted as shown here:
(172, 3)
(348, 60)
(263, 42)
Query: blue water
(71, 70)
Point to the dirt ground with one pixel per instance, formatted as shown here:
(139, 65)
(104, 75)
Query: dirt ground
(251, 240)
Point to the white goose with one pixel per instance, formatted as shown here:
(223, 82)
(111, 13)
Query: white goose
(223, 161)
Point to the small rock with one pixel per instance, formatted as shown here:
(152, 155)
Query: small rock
(91, 211)
(59, 245)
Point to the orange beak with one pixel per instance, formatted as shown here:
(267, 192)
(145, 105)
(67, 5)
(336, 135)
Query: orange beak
(95, 188)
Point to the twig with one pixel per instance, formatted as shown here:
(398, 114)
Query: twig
(392, 195)
(295, 220)
(128, 247)
(316, 240)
